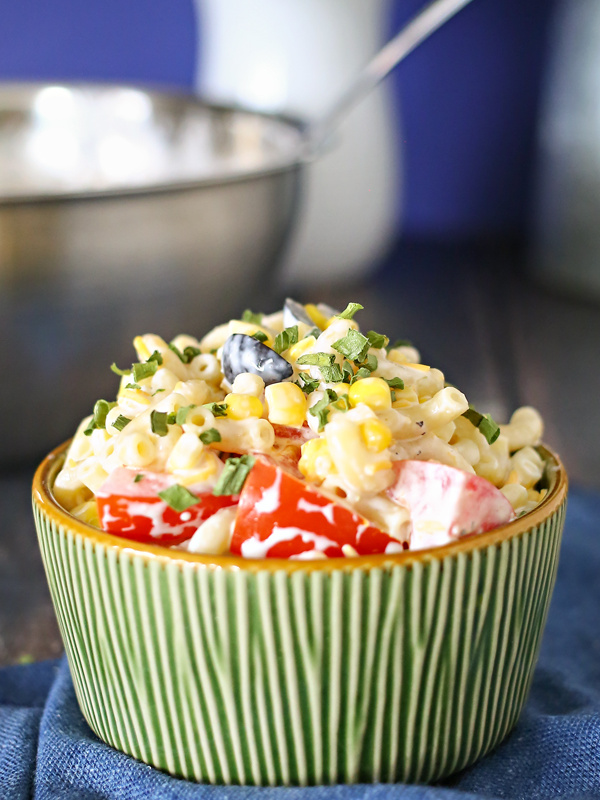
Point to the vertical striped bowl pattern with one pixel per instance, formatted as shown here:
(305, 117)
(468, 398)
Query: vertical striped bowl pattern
(402, 668)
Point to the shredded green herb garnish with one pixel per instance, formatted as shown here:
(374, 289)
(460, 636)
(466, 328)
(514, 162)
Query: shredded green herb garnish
(316, 332)
(217, 409)
(181, 415)
(353, 345)
(234, 474)
(260, 336)
(157, 391)
(286, 338)
(209, 436)
(101, 409)
(484, 423)
(321, 408)
(342, 403)
(370, 363)
(139, 477)
(140, 370)
(121, 422)
(350, 310)
(189, 353)
(399, 343)
(145, 370)
(332, 373)
(307, 384)
(363, 372)
(135, 386)
(250, 316)
(377, 340)
(159, 422)
(178, 497)
(316, 360)
(156, 356)
(394, 383)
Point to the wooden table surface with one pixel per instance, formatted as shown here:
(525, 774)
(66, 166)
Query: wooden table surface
(501, 339)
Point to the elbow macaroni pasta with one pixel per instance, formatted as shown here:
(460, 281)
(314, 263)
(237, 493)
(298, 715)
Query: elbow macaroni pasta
(366, 410)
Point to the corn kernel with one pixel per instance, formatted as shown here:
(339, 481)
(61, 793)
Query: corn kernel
(373, 392)
(141, 349)
(317, 316)
(239, 326)
(286, 404)
(301, 347)
(243, 406)
(377, 466)
(316, 462)
(205, 470)
(422, 367)
(87, 512)
(405, 397)
(375, 435)
(136, 395)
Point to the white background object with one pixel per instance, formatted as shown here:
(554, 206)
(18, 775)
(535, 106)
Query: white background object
(297, 56)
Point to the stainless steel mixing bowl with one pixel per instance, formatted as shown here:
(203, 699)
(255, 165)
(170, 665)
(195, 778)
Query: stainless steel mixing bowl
(124, 211)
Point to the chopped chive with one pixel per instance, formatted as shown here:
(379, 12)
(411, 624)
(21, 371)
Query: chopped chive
(119, 371)
(234, 474)
(159, 422)
(209, 436)
(353, 345)
(178, 497)
(484, 423)
(377, 340)
(286, 338)
(260, 336)
(121, 422)
(135, 386)
(139, 477)
(250, 316)
(350, 310)
(98, 420)
(217, 409)
(157, 391)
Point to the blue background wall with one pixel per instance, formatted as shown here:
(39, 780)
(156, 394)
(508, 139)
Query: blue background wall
(469, 97)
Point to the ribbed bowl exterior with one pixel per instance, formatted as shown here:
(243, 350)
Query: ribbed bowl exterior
(406, 671)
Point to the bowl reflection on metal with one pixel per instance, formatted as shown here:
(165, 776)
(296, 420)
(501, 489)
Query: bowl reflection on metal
(122, 211)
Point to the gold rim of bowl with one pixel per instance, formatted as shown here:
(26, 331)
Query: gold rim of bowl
(43, 496)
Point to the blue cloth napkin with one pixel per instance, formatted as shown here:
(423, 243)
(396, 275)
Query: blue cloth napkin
(47, 750)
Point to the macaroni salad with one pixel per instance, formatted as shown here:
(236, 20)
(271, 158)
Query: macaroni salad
(295, 435)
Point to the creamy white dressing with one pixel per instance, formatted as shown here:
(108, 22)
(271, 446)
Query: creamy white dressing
(270, 498)
(257, 548)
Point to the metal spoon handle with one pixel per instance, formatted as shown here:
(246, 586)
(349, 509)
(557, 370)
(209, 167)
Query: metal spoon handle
(428, 20)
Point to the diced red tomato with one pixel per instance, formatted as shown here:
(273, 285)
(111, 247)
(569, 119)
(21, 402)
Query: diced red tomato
(446, 503)
(280, 515)
(133, 509)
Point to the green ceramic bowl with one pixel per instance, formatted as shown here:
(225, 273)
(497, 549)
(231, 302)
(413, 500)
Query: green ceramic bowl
(225, 670)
